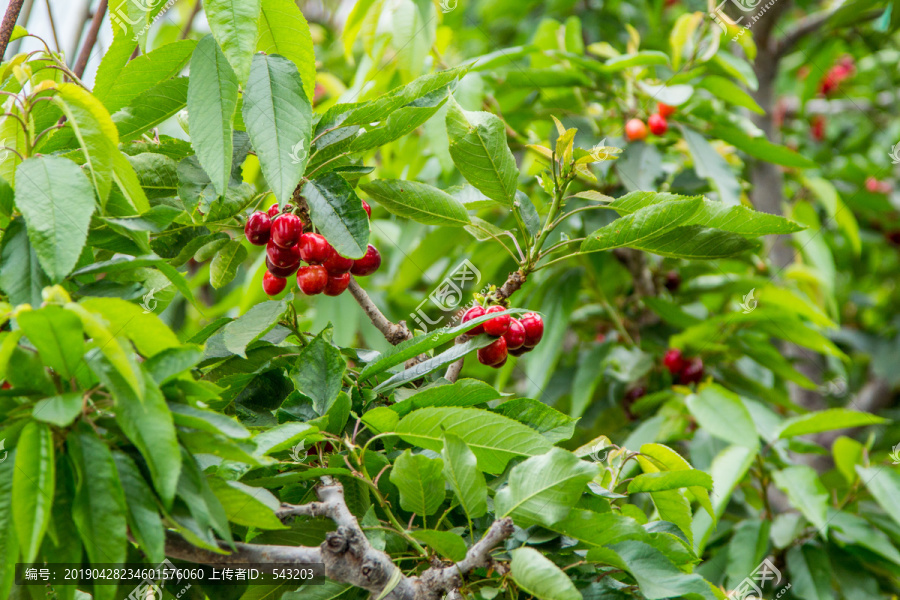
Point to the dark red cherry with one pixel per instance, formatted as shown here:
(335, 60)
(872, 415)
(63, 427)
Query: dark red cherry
(273, 285)
(498, 325)
(368, 264)
(337, 284)
(493, 354)
(515, 335)
(534, 328)
(314, 248)
(312, 279)
(282, 257)
(281, 271)
(258, 228)
(286, 230)
(474, 313)
(337, 264)
(673, 361)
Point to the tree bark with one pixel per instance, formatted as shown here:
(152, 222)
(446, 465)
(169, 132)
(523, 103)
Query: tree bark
(90, 40)
(9, 23)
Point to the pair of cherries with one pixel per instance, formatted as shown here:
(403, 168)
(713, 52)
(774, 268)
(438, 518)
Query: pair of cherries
(287, 245)
(514, 336)
(686, 370)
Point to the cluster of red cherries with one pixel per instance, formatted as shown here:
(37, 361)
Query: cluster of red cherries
(514, 336)
(635, 129)
(287, 245)
(685, 370)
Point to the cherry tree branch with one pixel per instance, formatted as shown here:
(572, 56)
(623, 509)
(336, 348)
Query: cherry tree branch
(9, 23)
(347, 555)
(392, 332)
(90, 39)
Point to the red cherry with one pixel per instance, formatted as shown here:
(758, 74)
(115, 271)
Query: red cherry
(493, 354)
(515, 335)
(692, 372)
(673, 281)
(257, 229)
(281, 271)
(498, 325)
(336, 284)
(273, 285)
(520, 351)
(286, 230)
(658, 124)
(368, 264)
(635, 130)
(312, 279)
(337, 264)
(873, 184)
(534, 328)
(474, 313)
(314, 248)
(273, 210)
(501, 363)
(367, 208)
(673, 361)
(664, 110)
(282, 257)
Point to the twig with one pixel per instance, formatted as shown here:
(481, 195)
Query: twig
(90, 39)
(392, 332)
(9, 23)
(190, 21)
(454, 369)
(53, 28)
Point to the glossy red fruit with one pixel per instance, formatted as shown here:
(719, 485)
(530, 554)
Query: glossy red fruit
(337, 264)
(273, 285)
(474, 313)
(286, 230)
(368, 264)
(312, 279)
(336, 284)
(494, 354)
(501, 363)
(665, 110)
(673, 361)
(520, 351)
(367, 208)
(273, 210)
(635, 130)
(534, 328)
(282, 257)
(258, 228)
(515, 335)
(314, 248)
(281, 271)
(498, 325)
(658, 124)
(692, 372)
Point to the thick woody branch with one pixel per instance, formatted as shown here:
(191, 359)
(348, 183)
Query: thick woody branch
(9, 23)
(90, 39)
(347, 555)
(512, 284)
(392, 332)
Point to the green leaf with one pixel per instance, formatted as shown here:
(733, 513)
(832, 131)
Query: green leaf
(57, 335)
(245, 505)
(538, 576)
(32, 487)
(252, 325)
(549, 422)
(730, 92)
(117, 265)
(99, 509)
(151, 108)
(760, 147)
(710, 165)
(493, 438)
(59, 410)
(278, 117)
(446, 543)
(884, 485)
(381, 419)
(827, 420)
(810, 572)
(149, 425)
(149, 334)
(57, 213)
(722, 414)
(283, 30)
(185, 415)
(423, 343)
(479, 150)
(856, 530)
(710, 213)
(644, 58)
(806, 493)
(21, 276)
(461, 472)
(127, 180)
(542, 489)
(599, 529)
(696, 242)
(9, 539)
(320, 372)
(425, 367)
(465, 392)
(226, 263)
(96, 134)
(338, 214)
(419, 480)
(282, 437)
(143, 513)
(641, 225)
(211, 102)
(118, 87)
(235, 26)
(418, 201)
(669, 480)
(837, 209)
(659, 457)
